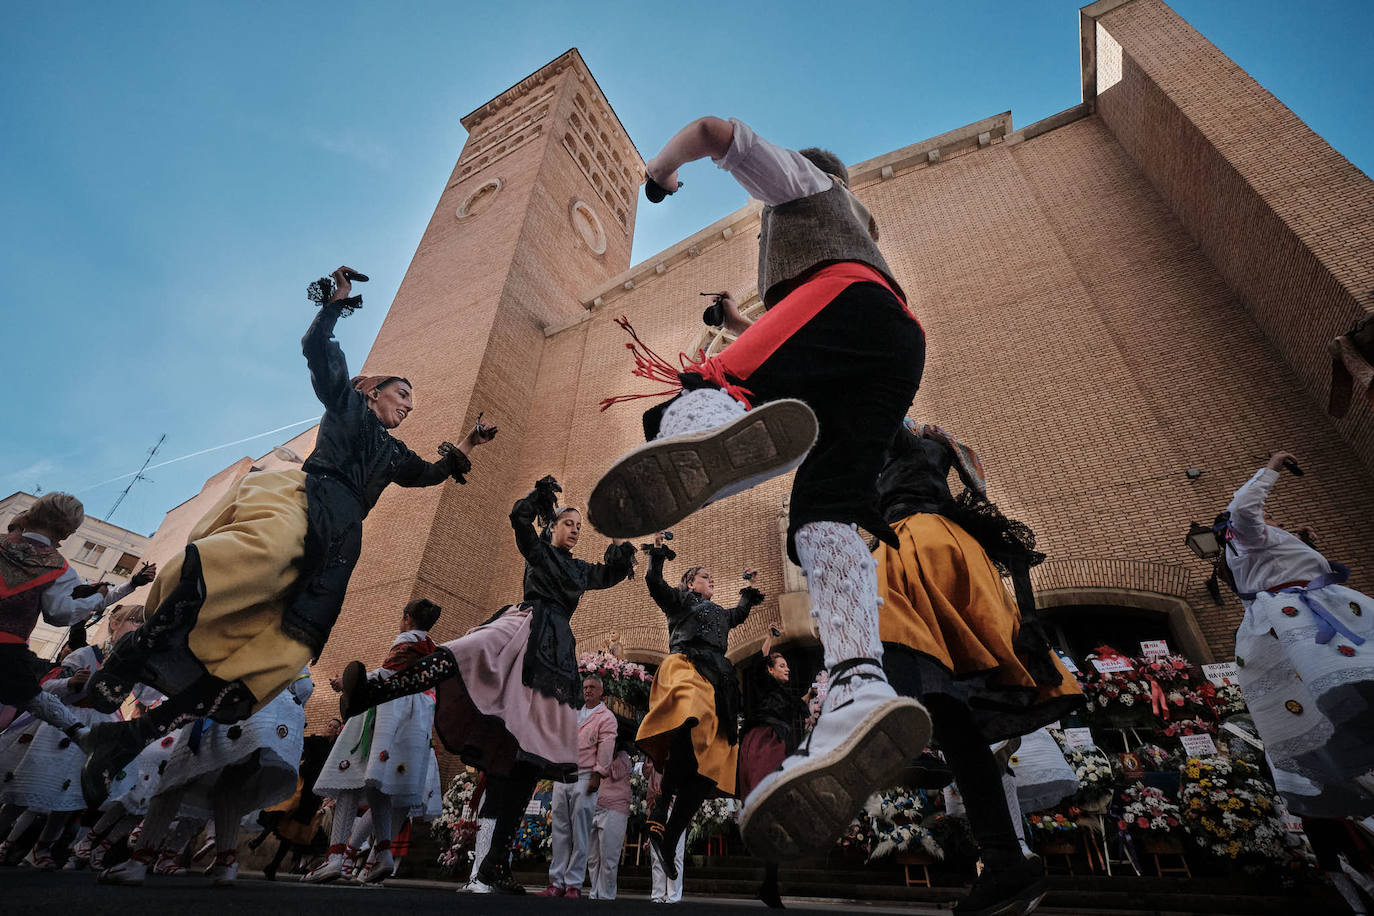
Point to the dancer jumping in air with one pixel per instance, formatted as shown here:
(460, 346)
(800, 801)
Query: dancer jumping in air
(36, 581)
(509, 690)
(691, 731)
(263, 577)
(838, 347)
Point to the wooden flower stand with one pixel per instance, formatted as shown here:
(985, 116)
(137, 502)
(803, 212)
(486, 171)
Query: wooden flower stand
(1058, 846)
(1170, 848)
(921, 861)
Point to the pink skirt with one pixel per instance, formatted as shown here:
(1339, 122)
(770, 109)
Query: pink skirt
(488, 717)
(761, 752)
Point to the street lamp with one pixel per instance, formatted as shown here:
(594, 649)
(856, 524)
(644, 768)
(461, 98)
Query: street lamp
(1202, 541)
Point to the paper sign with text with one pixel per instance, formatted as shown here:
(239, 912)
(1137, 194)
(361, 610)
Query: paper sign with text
(1079, 737)
(1153, 647)
(1113, 663)
(1221, 674)
(1198, 745)
(1068, 662)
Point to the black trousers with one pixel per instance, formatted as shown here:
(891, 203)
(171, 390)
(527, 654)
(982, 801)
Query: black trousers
(857, 364)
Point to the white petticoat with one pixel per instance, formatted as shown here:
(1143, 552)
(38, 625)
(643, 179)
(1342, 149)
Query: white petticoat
(274, 733)
(46, 775)
(395, 759)
(1043, 777)
(431, 804)
(1312, 703)
(135, 785)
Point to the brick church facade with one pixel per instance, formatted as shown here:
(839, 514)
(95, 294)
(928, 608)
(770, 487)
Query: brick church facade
(1142, 284)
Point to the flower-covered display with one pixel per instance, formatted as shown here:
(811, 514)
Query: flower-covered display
(627, 680)
(1146, 809)
(895, 817)
(715, 817)
(455, 829)
(1229, 811)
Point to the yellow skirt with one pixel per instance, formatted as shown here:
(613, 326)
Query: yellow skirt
(249, 543)
(680, 697)
(943, 598)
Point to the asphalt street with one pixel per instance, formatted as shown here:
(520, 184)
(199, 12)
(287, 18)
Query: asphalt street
(24, 891)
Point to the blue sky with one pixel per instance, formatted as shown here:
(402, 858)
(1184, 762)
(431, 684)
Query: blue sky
(174, 174)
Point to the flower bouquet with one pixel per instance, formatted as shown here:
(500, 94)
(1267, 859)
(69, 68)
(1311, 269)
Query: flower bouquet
(1095, 775)
(895, 817)
(1229, 811)
(1051, 824)
(1146, 809)
(455, 829)
(857, 840)
(624, 680)
(1228, 701)
(534, 838)
(1117, 697)
(1194, 726)
(714, 818)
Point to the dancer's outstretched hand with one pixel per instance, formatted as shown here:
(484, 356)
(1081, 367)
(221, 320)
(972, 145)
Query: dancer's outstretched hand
(481, 434)
(147, 573)
(343, 283)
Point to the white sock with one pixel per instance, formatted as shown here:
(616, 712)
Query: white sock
(345, 813)
(49, 708)
(227, 816)
(697, 410)
(161, 812)
(379, 803)
(843, 580)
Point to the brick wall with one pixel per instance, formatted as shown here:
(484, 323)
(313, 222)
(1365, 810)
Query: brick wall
(1285, 218)
(1085, 336)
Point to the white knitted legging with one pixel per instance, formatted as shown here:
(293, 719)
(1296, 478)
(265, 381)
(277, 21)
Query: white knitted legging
(697, 410)
(843, 580)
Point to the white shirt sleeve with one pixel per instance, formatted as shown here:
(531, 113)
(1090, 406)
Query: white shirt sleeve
(118, 593)
(62, 610)
(1247, 508)
(771, 173)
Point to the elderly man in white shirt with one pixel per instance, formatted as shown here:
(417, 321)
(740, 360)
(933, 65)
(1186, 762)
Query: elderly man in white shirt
(36, 581)
(574, 803)
(1304, 655)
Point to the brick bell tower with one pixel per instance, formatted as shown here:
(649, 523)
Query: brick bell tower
(540, 207)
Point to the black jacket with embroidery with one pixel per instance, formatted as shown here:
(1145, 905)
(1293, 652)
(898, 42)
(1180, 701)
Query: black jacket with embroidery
(354, 460)
(700, 629)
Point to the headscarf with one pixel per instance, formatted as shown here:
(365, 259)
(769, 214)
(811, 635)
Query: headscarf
(367, 385)
(969, 467)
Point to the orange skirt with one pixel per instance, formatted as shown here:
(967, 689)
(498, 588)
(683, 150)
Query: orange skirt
(682, 698)
(949, 625)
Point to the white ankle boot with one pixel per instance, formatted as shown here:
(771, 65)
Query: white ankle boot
(709, 447)
(131, 872)
(865, 736)
(330, 870)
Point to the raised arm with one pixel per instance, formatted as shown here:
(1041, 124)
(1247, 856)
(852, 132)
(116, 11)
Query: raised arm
(665, 596)
(1247, 505)
(770, 173)
(328, 367)
(62, 610)
(616, 566)
(525, 513)
(749, 598)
